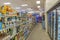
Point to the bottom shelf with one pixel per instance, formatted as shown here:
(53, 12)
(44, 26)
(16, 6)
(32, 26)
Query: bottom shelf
(22, 34)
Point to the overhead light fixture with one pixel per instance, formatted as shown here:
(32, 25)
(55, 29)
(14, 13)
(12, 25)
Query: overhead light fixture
(24, 5)
(38, 6)
(7, 3)
(37, 2)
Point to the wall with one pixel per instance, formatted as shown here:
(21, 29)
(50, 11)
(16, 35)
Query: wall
(49, 4)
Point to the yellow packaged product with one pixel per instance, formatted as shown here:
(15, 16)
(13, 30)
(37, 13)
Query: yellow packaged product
(0, 9)
(5, 7)
(15, 37)
(23, 38)
(5, 30)
(4, 11)
(3, 26)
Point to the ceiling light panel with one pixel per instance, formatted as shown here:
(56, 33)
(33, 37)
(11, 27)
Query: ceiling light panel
(24, 5)
(7, 3)
(37, 2)
(38, 6)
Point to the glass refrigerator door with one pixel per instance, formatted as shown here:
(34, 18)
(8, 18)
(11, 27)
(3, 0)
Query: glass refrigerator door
(52, 22)
(54, 26)
(58, 21)
(49, 23)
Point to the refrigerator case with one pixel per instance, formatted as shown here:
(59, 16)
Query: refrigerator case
(52, 24)
(49, 23)
(58, 21)
(54, 34)
(58, 27)
(54, 27)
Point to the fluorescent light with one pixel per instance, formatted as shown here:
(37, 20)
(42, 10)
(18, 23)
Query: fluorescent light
(38, 6)
(24, 5)
(37, 2)
(7, 3)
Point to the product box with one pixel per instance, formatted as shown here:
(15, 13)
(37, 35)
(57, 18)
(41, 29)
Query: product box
(0, 25)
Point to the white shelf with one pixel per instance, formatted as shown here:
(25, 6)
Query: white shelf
(12, 21)
(9, 27)
(19, 22)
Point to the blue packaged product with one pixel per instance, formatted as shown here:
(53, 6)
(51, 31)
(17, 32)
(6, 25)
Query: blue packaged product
(0, 25)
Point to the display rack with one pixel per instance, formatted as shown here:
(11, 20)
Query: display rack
(14, 25)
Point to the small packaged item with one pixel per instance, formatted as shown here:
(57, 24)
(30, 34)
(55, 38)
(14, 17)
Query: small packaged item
(0, 25)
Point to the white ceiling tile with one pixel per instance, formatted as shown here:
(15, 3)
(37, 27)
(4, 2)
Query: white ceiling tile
(31, 3)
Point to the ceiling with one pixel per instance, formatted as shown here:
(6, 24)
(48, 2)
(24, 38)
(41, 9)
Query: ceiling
(31, 3)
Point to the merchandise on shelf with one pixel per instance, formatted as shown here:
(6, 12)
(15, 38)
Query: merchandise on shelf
(14, 25)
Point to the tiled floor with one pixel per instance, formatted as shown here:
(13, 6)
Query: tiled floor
(38, 34)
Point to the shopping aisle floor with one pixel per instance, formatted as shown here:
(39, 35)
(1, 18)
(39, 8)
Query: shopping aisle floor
(38, 33)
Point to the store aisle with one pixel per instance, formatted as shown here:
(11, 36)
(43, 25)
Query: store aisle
(38, 34)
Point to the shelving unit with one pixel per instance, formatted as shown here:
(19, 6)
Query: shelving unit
(14, 25)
